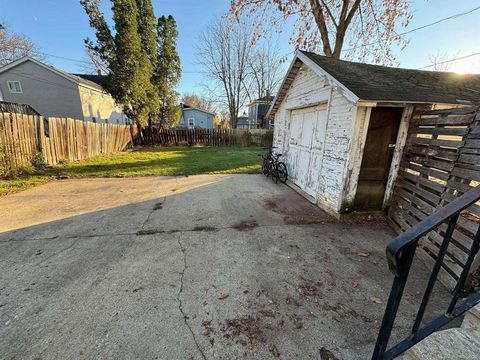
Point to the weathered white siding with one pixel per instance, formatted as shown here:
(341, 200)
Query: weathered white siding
(309, 89)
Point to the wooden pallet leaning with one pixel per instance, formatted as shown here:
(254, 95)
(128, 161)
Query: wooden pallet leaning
(441, 161)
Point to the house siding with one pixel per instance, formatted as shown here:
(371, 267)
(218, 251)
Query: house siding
(52, 95)
(202, 119)
(309, 89)
(47, 92)
(101, 106)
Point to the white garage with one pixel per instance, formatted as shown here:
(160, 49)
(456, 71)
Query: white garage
(342, 126)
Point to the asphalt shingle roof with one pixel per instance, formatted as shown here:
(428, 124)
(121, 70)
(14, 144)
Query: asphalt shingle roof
(382, 83)
(97, 79)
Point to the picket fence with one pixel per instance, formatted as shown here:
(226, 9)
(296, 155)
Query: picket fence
(207, 137)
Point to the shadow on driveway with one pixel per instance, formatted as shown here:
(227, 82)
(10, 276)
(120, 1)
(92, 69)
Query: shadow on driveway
(200, 267)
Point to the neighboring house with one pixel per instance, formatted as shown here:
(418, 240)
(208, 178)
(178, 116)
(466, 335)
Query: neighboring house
(341, 126)
(56, 93)
(257, 110)
(195, 118)
(243, 122)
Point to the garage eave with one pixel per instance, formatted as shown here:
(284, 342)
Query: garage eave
(299, 59)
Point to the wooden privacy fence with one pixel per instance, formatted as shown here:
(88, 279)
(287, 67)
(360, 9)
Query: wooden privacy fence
(207, 137)
(24, 137)
(441, 161)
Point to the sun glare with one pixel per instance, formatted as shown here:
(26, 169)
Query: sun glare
(466, 67)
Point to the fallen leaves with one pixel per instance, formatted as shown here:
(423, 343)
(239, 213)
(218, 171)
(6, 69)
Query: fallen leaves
(376, 300)
(355, 284)
(326, 354)
(223, 296)
(363, 253)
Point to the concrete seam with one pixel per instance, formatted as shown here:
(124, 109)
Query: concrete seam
(151, 212)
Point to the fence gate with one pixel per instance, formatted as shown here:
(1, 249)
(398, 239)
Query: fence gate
(441, 161)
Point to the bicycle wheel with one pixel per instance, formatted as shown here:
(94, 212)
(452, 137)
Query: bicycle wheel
(265, 167)
(274, 173)
(282, 173)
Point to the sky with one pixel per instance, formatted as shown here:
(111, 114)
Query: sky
(58, 27)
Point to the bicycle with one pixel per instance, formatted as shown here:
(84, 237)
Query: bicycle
(273, 167)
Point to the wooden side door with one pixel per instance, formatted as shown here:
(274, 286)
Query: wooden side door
(377, 158)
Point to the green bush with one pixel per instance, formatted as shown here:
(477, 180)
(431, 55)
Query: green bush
(37, 162)
(6, 163)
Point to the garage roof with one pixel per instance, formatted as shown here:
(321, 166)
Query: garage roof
(382, 83)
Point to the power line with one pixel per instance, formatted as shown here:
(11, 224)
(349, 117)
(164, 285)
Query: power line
(65, 58)
(447, 61)
(455, 16)
(89, 63)
(420, 27)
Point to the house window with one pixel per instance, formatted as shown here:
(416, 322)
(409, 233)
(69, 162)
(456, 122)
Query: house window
(191, 122)
(15, 87)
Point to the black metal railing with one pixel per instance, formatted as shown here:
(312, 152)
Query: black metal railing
(17, 108)
(400, 253)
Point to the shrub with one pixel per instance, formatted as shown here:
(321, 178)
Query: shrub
(6, 162)
(37, 161)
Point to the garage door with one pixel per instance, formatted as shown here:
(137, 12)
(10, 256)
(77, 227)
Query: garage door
(306, 143)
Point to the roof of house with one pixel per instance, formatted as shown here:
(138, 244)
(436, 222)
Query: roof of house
(381, 83)
(97, 79)
(374, 82)
(188, 107)
(264, 99)
(72, 77)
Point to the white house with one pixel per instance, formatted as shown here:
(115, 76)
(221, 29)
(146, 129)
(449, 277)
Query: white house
(56, 93)
(342, 126)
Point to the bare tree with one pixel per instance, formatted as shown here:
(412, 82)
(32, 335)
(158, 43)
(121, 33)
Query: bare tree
(368, 26)
(223, 52)
(198, 101)
(441, 61)
(14, 46)
(264, 71)
(94, 64)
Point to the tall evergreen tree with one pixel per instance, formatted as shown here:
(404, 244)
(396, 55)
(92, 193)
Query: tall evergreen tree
(132, 70)
(148, 35)
(168, 70)
(130, 66)
(147, 28)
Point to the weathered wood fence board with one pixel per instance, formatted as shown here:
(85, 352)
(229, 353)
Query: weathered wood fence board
(23, 137)
(441, 161)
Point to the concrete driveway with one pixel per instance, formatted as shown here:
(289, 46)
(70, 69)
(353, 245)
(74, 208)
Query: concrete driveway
(200, 267)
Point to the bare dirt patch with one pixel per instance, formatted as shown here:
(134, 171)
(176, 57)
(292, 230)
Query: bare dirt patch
(245, 225)
(297, 211)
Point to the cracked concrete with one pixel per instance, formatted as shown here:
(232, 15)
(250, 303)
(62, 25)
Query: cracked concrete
(77, 281)
(179, 298)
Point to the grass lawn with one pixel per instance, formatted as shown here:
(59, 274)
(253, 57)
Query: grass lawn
(148, 162)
